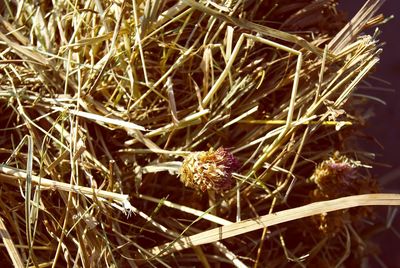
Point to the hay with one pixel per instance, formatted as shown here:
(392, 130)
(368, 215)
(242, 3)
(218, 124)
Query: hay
(102, 102)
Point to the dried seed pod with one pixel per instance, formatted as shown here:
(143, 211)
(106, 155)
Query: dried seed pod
(210, 170)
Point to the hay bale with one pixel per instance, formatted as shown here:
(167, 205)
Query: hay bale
(102, 102)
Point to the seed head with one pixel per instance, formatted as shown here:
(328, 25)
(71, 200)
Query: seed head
(210, 170)
(337, 177)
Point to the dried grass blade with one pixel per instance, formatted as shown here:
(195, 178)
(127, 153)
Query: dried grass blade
(198, 213)
(267, 31)
(346, 93)
(250, 225)
(9, 245)
(189, 120)
(355, 25)
(99, 118)
(62, 186)
(28, 194)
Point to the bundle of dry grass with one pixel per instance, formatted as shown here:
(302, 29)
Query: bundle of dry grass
(102, 102)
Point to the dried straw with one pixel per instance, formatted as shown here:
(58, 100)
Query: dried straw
(101, 102)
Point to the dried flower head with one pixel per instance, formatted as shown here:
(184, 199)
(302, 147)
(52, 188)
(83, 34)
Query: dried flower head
(210, 170)
(337, 177)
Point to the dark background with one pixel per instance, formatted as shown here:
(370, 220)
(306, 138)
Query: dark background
(385, 125)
